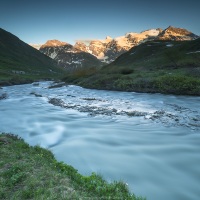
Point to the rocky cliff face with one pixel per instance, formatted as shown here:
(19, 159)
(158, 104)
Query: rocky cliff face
(68, 56)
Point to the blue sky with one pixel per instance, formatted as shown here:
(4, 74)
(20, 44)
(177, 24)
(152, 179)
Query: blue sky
(39, 20)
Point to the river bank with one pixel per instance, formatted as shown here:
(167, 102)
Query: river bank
(31, 172)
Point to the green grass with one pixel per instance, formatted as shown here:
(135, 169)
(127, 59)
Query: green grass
(31, 172)
(150, 67)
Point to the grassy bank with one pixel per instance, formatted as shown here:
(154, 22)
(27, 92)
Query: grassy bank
(12, 76)
(28, 172)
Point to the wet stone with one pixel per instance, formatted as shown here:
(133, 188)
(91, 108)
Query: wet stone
(56, 102)
(37, 95)
(3, 96)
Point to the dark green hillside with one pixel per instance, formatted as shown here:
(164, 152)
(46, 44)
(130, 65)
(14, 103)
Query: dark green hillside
(161, 54)
(156, 66)
(20, 61)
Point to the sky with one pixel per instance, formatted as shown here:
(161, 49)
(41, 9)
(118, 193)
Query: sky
(41, 20)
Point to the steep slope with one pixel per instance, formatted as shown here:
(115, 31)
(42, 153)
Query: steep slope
(154, 66)
(68, 56)
(19, 59)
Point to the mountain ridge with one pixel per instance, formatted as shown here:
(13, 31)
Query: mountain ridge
(108, 49)
(177, 34)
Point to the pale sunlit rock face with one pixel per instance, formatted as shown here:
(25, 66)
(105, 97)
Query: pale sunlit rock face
(177, 34)
(109, 49)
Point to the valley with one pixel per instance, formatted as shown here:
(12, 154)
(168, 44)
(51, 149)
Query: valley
(125, 108)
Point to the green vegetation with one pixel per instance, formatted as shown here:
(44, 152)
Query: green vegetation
(28, 172)
(170, 67)
(21, 63)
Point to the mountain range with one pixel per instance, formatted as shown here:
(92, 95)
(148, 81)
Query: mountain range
(101, 52)
(166, 61)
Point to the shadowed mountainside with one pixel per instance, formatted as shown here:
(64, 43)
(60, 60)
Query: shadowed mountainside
(18, 60)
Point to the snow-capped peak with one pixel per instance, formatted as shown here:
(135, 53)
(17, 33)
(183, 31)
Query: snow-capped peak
(54, 43)
(110, 48)
(173, 33)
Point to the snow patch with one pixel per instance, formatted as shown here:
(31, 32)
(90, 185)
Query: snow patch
(101, 56)
(169, 45)
(53, 55)
(152, 32)
(123, 41)
(193, 52)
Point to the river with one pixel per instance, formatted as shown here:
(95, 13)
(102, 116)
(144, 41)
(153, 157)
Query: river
(149, 141)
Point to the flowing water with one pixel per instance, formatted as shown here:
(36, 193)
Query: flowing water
(150, 141)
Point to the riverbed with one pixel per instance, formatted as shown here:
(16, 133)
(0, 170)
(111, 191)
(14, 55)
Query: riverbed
(149, 141)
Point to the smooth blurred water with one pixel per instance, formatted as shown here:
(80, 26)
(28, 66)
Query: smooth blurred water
(159, 157)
